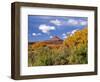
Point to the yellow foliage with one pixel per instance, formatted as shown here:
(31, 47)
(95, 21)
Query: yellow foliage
(38, 44)
(77, 39)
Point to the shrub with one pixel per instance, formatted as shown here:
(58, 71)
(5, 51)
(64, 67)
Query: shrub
(73, 51)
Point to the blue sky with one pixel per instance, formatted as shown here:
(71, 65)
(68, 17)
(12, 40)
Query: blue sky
(42, 28)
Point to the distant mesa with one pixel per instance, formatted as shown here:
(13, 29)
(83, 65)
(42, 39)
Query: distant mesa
(55, 38)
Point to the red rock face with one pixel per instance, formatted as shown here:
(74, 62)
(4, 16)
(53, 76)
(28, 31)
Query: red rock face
(55, 38)
(55, 41)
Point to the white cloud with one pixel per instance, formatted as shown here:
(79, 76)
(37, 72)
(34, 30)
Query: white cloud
(72, 22)
(51, 36)
(83, 23)
(46, 28)
(64, 35)
(56, 22)
(34, 34)
(76, 22)
(74, 31)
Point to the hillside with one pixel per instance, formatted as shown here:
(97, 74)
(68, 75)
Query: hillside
(53, 42)
(73, 50)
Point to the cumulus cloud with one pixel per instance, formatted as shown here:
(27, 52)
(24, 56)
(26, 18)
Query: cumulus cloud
(36, 34)
(74, 31)
(83, 23)
(51, 36)
(46, 28)
(64, 35)
(76, 22)
(56, 22)
(72, 22)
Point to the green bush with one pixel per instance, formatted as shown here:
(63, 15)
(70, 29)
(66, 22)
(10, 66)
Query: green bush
(78, 55)
(73, 51)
